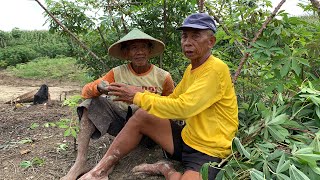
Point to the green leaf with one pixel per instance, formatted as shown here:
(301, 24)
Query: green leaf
(318, 111)
(26, 164)
(266, 171)
(256, 175)
(278, 120)
(303, 61)
(37, 161)
(306, 156)
(286, 68)
(62, 147)
(296, 174)
(240, 148)
(73, 133)
(67, 132)
(204, 171)
(283, 165)
(296, 67)
(277, 132)
(315, 100)
(49, 124)
(266, 145)
(283, 177)
(34, 125)
(274, 155)
(293, 124)
(63, 126)
(315, 144)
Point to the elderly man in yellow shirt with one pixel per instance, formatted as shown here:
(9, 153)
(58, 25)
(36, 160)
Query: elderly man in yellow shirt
(205, 98)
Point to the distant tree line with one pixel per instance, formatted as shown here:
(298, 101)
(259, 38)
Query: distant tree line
(20, 46)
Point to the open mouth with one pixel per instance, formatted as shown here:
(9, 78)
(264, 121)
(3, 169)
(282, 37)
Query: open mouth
(140, 58)
(188, 53)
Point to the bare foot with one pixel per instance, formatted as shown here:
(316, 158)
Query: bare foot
(75, 172)
(159, 168)
(92, 175)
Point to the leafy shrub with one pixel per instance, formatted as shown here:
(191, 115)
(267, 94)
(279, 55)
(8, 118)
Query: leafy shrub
(20, 46)
(53, 50)
(279, 142)
(18, 54)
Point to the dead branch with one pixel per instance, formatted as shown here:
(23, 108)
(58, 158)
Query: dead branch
(71, 34)
(257, 35)
(24, 98)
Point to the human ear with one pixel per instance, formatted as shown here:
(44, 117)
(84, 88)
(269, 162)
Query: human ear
(212, 41)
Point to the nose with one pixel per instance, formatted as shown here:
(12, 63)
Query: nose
(140, 50)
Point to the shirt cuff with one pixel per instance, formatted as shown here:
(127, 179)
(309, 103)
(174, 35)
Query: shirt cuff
(137, 98)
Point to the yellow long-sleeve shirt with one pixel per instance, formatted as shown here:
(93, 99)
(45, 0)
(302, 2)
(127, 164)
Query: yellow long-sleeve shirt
(206, 99)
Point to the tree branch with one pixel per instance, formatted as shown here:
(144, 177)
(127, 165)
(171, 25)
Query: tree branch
(124, 25)
(257, 35)
(225, 29)
(109, 10)
(103, 40)
(71, 34)
(164, 37)
(201, 5)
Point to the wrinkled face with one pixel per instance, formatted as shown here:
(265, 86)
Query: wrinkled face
(196, 43)
(138, 52)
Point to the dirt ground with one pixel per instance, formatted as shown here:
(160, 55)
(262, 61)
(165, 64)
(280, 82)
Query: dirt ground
(15, 127)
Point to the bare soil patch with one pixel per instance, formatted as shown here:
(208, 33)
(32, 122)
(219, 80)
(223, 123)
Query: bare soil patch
(15, 126)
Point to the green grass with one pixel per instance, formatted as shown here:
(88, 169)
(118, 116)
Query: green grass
(45, 68)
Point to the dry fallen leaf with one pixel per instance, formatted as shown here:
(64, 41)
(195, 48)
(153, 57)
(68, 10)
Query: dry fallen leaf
(24, 151)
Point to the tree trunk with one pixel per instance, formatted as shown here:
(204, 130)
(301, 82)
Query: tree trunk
(24, 98)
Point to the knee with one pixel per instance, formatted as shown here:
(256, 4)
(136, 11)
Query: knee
(140, 117)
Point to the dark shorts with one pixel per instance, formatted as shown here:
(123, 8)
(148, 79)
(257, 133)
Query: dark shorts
(108, 117)
(190, 158)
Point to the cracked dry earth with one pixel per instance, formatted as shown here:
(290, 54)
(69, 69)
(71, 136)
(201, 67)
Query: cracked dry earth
(19, 142)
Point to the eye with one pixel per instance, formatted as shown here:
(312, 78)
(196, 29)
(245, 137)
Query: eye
(195, 36)
(183, 36)
(133, 47)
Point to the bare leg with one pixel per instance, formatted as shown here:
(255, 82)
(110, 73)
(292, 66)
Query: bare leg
(159, 168)
(166, 168)
(86, 130)
(141, 123)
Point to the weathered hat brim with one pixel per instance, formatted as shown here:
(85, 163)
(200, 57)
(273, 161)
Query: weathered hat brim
(116, 51)
(194, 26)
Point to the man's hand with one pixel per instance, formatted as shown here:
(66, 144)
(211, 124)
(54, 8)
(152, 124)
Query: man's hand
(102, 87)
(123, 92)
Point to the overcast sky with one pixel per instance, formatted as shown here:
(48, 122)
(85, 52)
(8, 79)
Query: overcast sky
(28, 15)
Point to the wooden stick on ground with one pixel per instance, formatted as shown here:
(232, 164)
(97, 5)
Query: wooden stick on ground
(24, 98)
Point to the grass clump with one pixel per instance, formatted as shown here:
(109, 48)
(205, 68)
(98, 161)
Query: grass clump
(63, 68)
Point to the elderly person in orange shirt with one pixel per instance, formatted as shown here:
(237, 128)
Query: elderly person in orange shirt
(99, 114)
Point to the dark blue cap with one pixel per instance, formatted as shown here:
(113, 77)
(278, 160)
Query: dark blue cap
(199, 21)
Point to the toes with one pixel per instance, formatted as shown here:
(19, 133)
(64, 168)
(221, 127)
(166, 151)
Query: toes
(140, 168)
